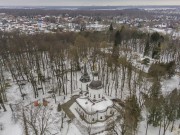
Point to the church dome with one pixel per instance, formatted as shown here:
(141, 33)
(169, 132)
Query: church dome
(95, 85)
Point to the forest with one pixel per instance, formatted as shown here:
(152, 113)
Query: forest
(132, 64)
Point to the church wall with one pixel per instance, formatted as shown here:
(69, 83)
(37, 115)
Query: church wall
(93, 118)
(101, 116)
(109, 111)
(95, 94)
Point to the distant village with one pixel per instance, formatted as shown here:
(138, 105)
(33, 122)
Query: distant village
(49, 24)
(165, 21)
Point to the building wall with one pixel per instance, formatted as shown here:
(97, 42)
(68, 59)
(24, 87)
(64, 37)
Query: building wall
(99, 116)
(95, 94)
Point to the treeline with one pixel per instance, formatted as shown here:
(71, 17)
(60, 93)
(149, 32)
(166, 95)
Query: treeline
(74, 13)
(43, 54)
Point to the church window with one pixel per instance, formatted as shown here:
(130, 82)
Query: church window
(101, 117)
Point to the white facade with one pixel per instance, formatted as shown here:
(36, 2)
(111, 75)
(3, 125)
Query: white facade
(91, 114)
(93, 106)
(95, 94)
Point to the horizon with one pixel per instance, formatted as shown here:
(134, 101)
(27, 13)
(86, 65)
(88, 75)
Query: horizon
(90, 3)
(92, 7)
(121, 7)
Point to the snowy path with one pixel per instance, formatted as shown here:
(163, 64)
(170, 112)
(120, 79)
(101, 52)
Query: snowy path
(9, 127)
(73, 130)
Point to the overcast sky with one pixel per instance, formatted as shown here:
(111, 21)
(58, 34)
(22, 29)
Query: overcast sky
(86, 2)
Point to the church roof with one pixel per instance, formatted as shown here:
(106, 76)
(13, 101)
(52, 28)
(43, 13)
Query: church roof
(95, 85)
(92, 108)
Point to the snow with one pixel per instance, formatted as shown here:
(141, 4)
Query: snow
(73, 130)
(90, 107)
(170, 84)
(14, 97)
(9, 127)
(73, 107)
(96, 26)
(83, 126)
(155, 130)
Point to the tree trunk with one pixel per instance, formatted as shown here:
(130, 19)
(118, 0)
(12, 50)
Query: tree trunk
(147, 125)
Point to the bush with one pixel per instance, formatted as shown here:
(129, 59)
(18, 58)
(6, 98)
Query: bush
(146, 61)
(59, 107)
(162, 69)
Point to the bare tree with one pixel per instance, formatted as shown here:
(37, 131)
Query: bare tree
(38, 120)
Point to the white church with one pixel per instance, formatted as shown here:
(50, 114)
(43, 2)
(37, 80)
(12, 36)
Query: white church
(93, 106)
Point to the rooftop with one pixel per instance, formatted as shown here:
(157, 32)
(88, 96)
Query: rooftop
(92, 107)
(95, 85)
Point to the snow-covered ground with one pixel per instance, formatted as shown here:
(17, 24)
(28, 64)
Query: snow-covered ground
(155, 130)
(73, 130)
(11, 127)
(170, 84)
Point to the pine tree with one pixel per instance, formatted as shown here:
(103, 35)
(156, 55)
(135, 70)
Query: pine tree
(154, 104)
(111, 28)
(156, 51)
(156, 40)
(117, 42)
(59, 107)
(147, 47)
(170, 68)
(133, 114)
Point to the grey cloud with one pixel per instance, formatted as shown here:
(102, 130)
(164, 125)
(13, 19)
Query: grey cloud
(86, 2)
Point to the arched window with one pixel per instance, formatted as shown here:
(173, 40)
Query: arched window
(99, 95)
(101, 117)
(94, 96)
(92, 119)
